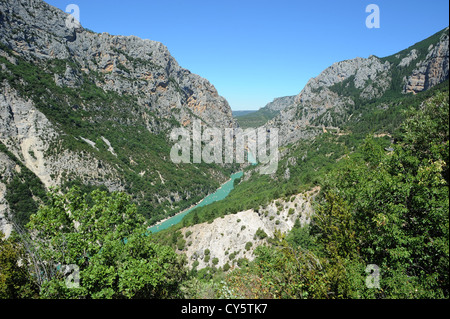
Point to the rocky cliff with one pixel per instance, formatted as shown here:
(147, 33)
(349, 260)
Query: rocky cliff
(96, 109)
(37, 32)
(430, 71)
(331, 98)
(280, 103)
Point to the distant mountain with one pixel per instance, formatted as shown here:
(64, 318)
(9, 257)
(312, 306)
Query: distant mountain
(242, 113)
(340, 91)
(78, 107)
(268, 112)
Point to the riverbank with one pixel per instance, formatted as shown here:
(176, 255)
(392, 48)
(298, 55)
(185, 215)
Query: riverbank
(179, 213)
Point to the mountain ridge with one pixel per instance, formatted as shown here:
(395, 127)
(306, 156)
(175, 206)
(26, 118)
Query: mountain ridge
(95, 110)
(266, 113)
(329, 99)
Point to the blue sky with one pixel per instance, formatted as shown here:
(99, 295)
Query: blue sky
(255, 51)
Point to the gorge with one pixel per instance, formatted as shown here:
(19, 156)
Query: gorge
(87, 148)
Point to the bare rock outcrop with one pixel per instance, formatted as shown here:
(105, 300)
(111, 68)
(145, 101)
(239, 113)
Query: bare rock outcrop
(7, 168)
(431, 71)
(227, 238)
(28, 134)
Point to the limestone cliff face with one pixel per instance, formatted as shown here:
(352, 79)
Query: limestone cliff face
(7, 169)
(432, 70)
(128, 64)
(369, 76)
(226, 238)
(28, 134)
(327, 100)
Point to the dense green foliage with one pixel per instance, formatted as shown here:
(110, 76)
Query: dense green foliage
(312, 159)
(15, 280)
(387, 209)
(377, 206)
(104, 237)
(255, 119)
(24, 191)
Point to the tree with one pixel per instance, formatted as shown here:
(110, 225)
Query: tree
(425, 133)
(104, 237)
(278, 271)
(392, 210)
(15, 280)
(299, 236)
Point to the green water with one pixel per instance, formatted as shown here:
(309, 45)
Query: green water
(220, 194)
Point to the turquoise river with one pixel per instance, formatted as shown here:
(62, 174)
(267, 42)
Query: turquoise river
(220, 194)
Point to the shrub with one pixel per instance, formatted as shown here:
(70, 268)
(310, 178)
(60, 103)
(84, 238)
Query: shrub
(261, 234)
(226, 267)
